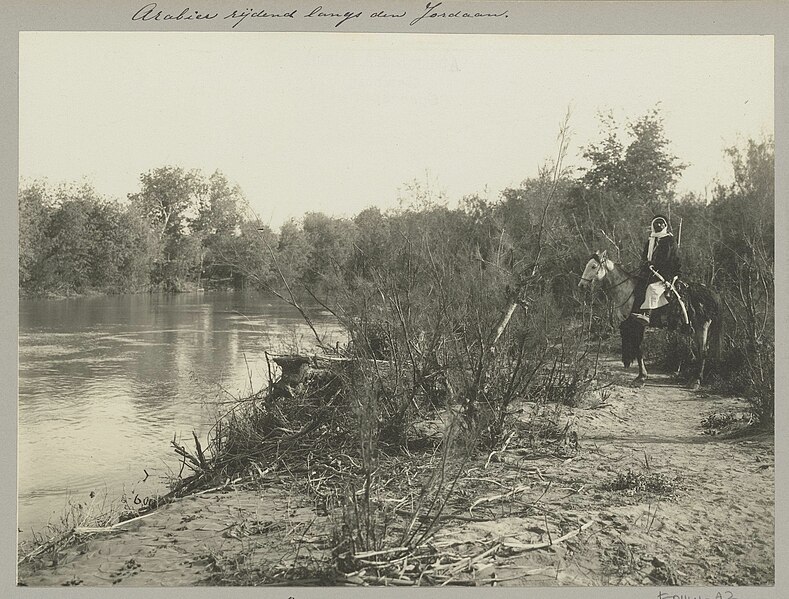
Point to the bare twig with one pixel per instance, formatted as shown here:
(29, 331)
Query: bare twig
(532, 546)
(492, 498)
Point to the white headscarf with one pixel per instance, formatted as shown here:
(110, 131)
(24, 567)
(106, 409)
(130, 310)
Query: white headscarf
(654, 236)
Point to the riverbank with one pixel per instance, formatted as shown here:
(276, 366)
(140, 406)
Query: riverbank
(106, 382)
(86, 293)
(639, 491)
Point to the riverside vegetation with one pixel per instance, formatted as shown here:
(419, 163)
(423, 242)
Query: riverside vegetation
(468, 347)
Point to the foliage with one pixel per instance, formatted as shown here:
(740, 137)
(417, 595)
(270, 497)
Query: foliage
(178, 232)
(726, 243)
(745, 258)
(371, 242)
(217, 226)
(624, 186)
(293, 251)
(34, 215)
(165, 197)
(427, 284)
(330, 241)
(74, 241)
(166, 193)
(459, 320)
(248, 255)
(432, 305)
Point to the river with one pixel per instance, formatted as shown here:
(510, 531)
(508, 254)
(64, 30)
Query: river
(106, 382)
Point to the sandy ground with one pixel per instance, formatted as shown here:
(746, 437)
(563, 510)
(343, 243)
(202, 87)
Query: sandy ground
(716, 528)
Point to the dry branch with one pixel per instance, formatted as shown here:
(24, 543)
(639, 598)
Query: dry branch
(492, 498)
(200, 455)
(519, 547)
(467, 562)
(505, 319)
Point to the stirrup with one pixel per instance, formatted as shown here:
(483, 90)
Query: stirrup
(642, 317)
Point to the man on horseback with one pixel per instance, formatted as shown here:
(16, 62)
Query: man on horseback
(659, 264)
(699, 305)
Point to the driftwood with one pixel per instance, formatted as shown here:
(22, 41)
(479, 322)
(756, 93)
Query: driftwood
(532, 546)
(296, 368)
(189, 460)
(293, 367)
(492, 498)
(444, 568)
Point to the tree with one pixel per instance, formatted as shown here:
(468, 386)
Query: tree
(167, 195)
(331, 243)
(250, 254)
(137, 247)
(645, 171)
(371, 242)
(293, 251)
(73, 249)
(217, 226)
(729, 244)
(650, 171)
(218, 207)
(73, 241)
(744, 214)
(34, 216)
(625, 184)
(606, 158)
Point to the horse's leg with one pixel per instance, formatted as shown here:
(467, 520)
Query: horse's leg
(643, 375)
(700, 339)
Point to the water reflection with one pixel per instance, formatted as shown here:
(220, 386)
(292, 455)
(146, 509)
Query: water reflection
(105, 383)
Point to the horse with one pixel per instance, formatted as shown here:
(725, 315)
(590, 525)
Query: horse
(619, 286)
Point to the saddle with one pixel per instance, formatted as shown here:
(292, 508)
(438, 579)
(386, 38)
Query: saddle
(675, 312)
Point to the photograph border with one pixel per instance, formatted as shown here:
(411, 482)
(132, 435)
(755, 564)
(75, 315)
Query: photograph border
(556, 17)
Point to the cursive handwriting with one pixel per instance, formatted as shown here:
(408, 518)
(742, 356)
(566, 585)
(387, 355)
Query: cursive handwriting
(384, 14)
(240, 15)
(718, 595)
(431, 12)
(149, 13)
(437, 10)
(319, 12)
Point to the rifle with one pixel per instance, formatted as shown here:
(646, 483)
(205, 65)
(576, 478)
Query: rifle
(670, 285)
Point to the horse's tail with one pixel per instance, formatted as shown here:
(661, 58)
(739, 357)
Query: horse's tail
(632, 334)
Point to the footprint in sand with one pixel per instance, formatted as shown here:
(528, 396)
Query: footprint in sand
(130, 568)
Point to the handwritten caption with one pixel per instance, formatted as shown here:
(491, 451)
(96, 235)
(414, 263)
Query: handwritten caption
(718, 595)
(432, 11)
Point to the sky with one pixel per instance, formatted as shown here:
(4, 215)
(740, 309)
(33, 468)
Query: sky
(337, 122)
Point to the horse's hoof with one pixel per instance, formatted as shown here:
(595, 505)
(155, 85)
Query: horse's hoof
(640, 381)
(695, 385)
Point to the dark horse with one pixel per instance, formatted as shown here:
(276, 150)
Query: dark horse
(619, 286)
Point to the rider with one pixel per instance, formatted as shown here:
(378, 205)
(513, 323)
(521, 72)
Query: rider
(660, 252)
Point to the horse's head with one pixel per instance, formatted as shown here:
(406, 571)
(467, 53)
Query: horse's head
(596, 269)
